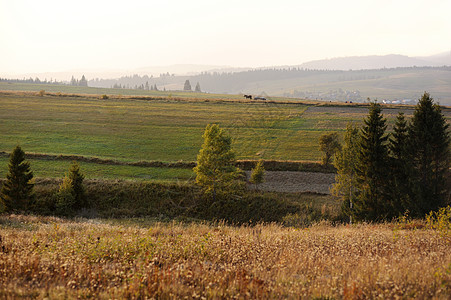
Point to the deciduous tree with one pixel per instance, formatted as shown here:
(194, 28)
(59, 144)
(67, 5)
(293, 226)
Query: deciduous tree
(329, 144)
(258, 174)
(345, 186)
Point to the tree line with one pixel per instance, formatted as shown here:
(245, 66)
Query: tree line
(31, 80)
(381, 176)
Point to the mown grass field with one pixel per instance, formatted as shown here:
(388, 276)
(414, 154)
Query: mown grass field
(45, 257)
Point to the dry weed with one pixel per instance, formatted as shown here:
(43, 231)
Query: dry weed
(48, 257)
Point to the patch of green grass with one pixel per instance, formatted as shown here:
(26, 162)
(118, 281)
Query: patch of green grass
(57, 169)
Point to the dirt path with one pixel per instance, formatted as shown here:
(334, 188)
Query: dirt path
(287, 181)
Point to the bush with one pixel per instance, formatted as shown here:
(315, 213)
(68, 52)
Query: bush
(440, 220)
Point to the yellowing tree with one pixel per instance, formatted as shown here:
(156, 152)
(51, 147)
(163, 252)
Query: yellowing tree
(216, 171)
(258, 174)
(329, 144)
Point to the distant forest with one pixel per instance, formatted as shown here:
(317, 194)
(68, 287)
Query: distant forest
(73, 81)
(336, 85)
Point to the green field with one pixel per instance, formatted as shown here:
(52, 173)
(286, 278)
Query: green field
(132, 130)
(57, 169)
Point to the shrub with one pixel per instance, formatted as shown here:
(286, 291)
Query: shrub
(440, 220)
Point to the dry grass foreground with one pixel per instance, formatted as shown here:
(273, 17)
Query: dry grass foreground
(53, 258)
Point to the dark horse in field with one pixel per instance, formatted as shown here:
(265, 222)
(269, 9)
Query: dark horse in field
(248, 96)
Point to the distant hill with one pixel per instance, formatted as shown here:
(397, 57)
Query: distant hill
(391, 84)
(378, 62)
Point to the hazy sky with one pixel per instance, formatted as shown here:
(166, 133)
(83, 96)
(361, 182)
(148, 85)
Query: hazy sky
(58, 35)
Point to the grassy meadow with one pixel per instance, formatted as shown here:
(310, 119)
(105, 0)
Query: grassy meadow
(170, 130)
(51, 258)
(57, 169)
(165, 130)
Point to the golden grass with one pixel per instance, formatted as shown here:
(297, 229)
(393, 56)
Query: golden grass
(48, 257)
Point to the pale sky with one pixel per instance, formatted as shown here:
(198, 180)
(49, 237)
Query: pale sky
(94, 35)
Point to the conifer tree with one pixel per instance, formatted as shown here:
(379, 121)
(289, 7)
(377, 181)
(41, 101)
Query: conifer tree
(197, 88)
(429, 143)
(83, 81)
(187, 86)
(400, 167)
(17, 191)
(372, 203)
(216, 171)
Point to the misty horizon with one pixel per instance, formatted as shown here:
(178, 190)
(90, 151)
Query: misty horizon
(345, 63)
(52, 36)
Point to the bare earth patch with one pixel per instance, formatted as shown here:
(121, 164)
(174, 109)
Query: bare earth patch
(289, 181)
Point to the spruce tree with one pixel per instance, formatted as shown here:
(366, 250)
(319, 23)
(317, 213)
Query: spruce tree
(187, 86)
(17, 191)
(197, 88)
(400, 167)
(372, 203)
(216, 172)
(429, 142)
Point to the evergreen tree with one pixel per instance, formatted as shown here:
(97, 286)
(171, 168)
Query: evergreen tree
(372, 169)
(258, 174)
(400, 167)
(83, 81)
(187, 86)
(71, 194)
(345, 186)
(216, 171)
(73, 81)
(197, 88)
(17, 191)
(429, 142)
(329, 144)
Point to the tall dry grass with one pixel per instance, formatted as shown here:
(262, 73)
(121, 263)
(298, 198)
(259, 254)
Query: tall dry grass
(48, 257)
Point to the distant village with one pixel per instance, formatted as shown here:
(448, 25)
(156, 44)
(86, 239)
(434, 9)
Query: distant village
(341, 95)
